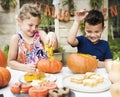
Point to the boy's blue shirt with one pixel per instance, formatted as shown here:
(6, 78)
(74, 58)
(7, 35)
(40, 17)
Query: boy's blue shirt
(101, 49)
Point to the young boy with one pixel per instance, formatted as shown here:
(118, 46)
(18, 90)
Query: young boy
(90, 43)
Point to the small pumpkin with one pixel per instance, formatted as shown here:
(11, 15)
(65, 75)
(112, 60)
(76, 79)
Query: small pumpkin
(4, 77)
(114, 73)
(81, 63)
(18, 87)
(108, 65)
(115, 89)
(15, 88)
(49, 66)
(3, 59)
(39, 91)
(50, 85)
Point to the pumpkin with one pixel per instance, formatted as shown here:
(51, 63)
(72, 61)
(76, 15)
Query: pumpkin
(15, 88)
(81, 63)
(108, 65)
(3, 59)
(4, 77)
(49, 66)
(114, 73)
(38, 91)
(50, 85)
(66, 15)
(115, 89)
(18, 87)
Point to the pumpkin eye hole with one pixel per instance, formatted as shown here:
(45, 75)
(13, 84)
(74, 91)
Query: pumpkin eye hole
(1, 95)
(64, 88)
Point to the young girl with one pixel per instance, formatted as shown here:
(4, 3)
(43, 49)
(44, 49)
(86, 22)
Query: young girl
(90, 43)
(27, 46)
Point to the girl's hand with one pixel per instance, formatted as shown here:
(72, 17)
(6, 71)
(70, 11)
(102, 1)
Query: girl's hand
(80, 15)
(51, 38)
(31, 67)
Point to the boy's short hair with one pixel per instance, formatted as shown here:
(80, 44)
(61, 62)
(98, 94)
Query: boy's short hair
(94, 17)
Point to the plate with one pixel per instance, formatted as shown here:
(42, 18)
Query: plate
(72, 94)
(79, 87)
(48, 77)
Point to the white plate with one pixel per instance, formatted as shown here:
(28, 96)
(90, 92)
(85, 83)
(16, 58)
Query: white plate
(79, 87)
(48, 77)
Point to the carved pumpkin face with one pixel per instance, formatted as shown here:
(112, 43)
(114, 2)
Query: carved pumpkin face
(4, 77)
(19, 87)
(3, 59)
(81, 63)
(49, 66)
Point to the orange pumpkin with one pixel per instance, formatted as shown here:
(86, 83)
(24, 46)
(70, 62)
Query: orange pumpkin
(4, 77)
(15, 88)
(3, 59)
(18, 87)
(81, 63)
(39, 91)
(50, 85)
(49, 66)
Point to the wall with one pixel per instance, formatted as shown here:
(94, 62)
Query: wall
(7, 25)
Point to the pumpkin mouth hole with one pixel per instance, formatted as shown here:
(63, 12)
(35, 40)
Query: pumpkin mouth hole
(55, 91)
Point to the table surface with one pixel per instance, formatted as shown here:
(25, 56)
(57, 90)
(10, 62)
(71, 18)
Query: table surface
(15, 75)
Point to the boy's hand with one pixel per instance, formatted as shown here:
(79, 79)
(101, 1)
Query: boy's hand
(80, 15)
(51, 37)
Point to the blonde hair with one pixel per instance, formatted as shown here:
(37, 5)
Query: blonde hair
(28, 10)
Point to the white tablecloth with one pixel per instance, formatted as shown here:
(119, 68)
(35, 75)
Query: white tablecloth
(15, 75)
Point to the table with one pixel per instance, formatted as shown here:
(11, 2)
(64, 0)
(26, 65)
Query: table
(15, 75)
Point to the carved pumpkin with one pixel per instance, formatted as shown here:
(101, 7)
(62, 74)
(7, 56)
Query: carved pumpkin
(50, 85)
(81, 63)
(114, 73)
(4, 77)
(15, 88)
(49, 66)
(115, 89)
(38, 91)
(18, 87)
(3, 59)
